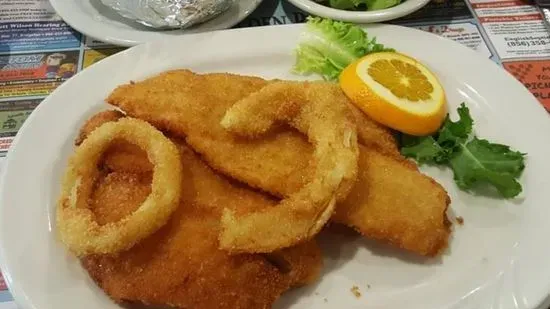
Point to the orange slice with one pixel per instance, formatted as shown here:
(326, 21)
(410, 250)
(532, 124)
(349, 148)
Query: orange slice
(397, 91)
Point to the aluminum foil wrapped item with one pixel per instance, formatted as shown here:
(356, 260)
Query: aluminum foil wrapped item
(169, 14)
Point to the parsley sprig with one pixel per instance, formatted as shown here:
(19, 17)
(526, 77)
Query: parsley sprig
(474, 161)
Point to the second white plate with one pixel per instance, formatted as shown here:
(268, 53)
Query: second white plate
(94, 19)
(362, 17)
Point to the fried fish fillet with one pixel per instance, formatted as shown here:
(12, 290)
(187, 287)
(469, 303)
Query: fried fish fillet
(192, 105)
(392, 201)
(181, 265)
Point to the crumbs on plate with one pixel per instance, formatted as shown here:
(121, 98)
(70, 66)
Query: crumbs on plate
(460, 220)
(355, 291)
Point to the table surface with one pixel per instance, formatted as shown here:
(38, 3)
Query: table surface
(511, 33)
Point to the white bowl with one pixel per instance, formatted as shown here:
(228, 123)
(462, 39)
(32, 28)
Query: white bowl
(404, 8)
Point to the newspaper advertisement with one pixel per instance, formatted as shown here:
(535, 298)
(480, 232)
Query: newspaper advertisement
(35, 74)
(465, 33)
(515, 29)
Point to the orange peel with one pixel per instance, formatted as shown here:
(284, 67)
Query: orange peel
(397, 91)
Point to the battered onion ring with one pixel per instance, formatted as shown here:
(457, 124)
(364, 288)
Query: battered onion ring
(75, 220)
(319, 110)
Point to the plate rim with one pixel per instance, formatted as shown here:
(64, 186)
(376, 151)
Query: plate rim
(23, 300)
(64, 13)
(405, 8)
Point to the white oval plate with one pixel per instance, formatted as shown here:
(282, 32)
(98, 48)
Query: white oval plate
(96, 20)
(363, 17)
(497, 259)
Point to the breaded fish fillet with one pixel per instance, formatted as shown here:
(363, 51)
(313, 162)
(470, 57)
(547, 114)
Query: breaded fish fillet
(404, 207)
(192, 106)
(181, 265)
(393, 202)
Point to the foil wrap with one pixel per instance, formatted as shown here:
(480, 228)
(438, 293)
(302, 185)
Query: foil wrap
(169, 14)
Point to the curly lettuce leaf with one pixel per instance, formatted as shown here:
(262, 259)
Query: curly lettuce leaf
(424, 149)
(480, 161)
(473, 161)
(326, 47)
(438, 148)
(452, 133)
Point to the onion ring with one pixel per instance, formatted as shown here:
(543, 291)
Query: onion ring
(319, 110)
(75, 220)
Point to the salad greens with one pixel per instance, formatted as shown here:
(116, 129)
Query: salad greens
(362, 5)
(326, 47)
(474, 161)
(374, 5)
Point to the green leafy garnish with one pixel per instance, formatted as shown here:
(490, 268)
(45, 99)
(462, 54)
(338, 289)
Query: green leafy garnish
(451, 133)
(423, 149)
(346, 4)
(374, 5)
(481, 161)
(362, 5)
(474, 161)
(326, 47)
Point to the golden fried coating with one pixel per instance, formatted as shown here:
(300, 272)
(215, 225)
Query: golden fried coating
(121, 156)
(95, 121)
(192, 105)
(320, 111)
(372, 134)
(112, 201)
(76, 225)
(392, 201)
(181, 265)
